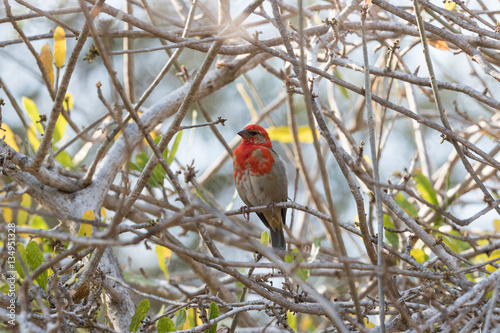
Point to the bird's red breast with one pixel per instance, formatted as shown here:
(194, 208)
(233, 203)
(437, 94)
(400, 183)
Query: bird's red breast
(257, 159)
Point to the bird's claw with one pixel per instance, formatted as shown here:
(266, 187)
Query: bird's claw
(245, 211)
(272, 205)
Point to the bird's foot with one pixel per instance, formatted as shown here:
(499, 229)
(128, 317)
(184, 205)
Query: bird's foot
(245, 211)
(272, 205)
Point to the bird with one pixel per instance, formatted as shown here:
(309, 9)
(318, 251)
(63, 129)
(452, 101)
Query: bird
(260, 179)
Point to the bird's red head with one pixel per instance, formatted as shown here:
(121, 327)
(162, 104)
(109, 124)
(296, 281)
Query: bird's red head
(255, 134)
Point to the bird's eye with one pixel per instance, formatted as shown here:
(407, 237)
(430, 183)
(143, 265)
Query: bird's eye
(253, 133)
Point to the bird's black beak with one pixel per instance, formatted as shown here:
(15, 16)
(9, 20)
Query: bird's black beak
(244, 134)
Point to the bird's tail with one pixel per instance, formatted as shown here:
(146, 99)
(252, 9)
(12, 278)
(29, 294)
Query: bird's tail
(278, 239)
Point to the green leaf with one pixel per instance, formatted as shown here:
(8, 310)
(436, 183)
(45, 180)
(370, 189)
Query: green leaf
(35, 259)
(60, 128)
(447, 199)
(427, 192)
(134, 167)
(407, 207)
(139, 315)
(302, 273)
(291, 321)
(343, 90)
(141, 160)
(165, 151)
(165, 325)
(264, 238)
(314, 249)
(200, 195)
(4, 289)
(158, 176)
(104, 307)
(65, 159)
(212, 314)
(192, 318)
(175, 146)
(33, 114)
(22, 253)
(392, 237)
(38, 223)
(425, 188)
(448, 181)
(180, 319)
(456, 245)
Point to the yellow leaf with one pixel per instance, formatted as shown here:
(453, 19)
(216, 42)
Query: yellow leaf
(438, 44)
(38, 222)
(26, 201)
(154, 134)
(59, 47)
(368, 324)
(46, 57)
(22, 215)
(7, 214)
(103, 212)
(68, 102)
(496, 224)
(305, 134)
(291, 320)
(33, 114)
(449, 5)
(118, 135)
(9, 137)
(120, 131)
(282, 134)
(88, 215)
(306, 323)
(418, 254)
(480, 258)
(86, 229)
(482, 242)
(163, 253)
(60, 128)
(493, 255)
(356, 221)
(33, 140)
(367, 159)
(247, 100)
(317, 19)
(191, 318)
